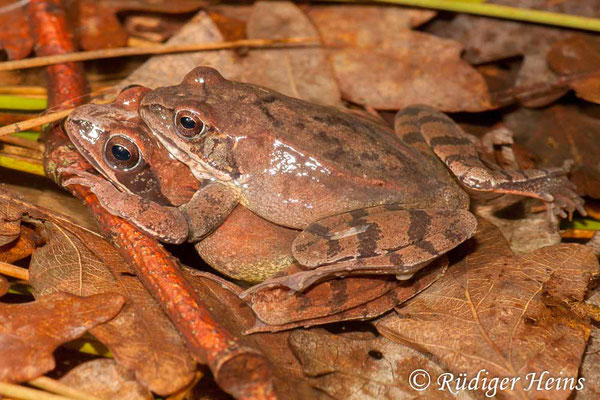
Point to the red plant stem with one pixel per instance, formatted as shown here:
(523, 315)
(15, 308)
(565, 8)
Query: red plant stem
(48, 23)
(243, 372)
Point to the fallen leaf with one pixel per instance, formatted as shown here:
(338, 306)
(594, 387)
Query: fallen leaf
(106, 379)
(563, 132)
(100, 28)
(490, 39)
(30, 332)
(577, 59)
(589, 365)
(508, 315)
(379, 62)
(303, 73)
(349, 298)
(20, 247)
(79, 261)
(298, 72)
(346, 368)
(221, 297)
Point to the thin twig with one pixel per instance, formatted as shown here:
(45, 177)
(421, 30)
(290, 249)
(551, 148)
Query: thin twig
(54, 386)
(22, 142)
(500, 11)
(157, 49)
(14, 271)
(33, 122)
(25, 393)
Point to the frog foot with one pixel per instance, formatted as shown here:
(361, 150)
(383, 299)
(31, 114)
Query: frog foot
(166, 224)
(560, 193)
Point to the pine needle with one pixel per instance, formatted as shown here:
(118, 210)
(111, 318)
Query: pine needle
(157, 49)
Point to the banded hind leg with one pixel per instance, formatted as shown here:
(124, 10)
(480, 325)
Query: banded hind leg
(452, 146)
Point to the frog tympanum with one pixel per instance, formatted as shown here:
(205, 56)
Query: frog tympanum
(367, 200)
(147, 186)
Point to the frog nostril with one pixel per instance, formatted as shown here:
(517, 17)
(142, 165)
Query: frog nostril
(155, 107)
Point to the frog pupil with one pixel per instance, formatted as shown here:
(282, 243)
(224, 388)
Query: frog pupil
(188, 123)
(121, 153)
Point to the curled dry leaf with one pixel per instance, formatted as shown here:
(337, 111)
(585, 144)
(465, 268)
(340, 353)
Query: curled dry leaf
(379, 64)
(299, 72)
(559, 133)
(577, 59)
(349, 298)
(347, 368)
(509, 315)
(30, 332)
(106, 379)
(79, 261)
(19, 248)
(100, 28)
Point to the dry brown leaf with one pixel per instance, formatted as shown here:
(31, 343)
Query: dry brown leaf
(79, 261)
(106, 379)
(559, 133)
(347, 368)
(506, 314)
(99, 27)
(30, 332)
(591, 359)
(379, 64)
(301, 72)
(19, 248)
(490, 39)
(577, 58)
(221, 298)
(349, 298)
(296, 72)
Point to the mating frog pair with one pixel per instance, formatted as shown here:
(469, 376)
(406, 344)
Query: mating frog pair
(364, 200)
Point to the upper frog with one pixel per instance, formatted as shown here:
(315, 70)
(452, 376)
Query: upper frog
(370, 200)
(291, 161)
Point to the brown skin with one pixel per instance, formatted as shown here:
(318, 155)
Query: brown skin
(369, 200)
(152, 189)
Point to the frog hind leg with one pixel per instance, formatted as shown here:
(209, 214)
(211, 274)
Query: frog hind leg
(377, 240)
(447, 140)
(166, 224)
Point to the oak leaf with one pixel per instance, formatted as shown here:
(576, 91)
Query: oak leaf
(30, 332)
(508, 315)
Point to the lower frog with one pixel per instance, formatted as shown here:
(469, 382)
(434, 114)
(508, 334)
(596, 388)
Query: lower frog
(367, 199)
(144, 184)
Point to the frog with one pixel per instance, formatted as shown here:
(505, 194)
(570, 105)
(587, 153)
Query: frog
(141, 182)
(368, 199)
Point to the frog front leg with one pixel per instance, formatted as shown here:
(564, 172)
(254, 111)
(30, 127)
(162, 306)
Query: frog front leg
(449, 143)
(376, 240)
(166, 224)
(208, 208)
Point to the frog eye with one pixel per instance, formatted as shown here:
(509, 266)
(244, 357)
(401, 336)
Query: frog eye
(188, 124)
(121, 153)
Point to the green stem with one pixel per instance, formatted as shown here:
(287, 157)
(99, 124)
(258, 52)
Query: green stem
(22, 103)
(499, 11)
(21, 165)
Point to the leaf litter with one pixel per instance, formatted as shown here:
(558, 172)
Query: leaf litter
(511, 310)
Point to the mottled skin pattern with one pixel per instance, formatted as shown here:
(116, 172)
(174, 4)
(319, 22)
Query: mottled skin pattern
(369, 200)
(166, 187)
